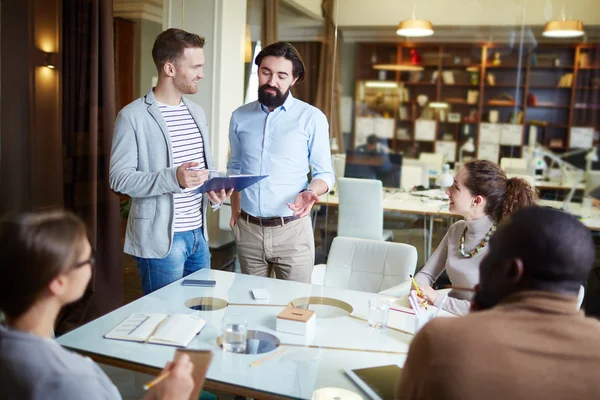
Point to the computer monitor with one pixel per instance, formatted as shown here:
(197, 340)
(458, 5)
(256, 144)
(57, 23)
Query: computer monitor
(578, 160)
(385, 167)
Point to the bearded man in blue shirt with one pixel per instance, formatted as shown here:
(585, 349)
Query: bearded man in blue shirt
(281, 137)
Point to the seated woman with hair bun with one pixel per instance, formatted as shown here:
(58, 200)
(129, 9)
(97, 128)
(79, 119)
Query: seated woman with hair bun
(483, 195)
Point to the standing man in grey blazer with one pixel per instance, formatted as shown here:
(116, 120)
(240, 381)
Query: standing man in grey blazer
(160, 154)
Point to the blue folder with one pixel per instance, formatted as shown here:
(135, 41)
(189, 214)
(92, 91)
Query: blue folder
(238, 183)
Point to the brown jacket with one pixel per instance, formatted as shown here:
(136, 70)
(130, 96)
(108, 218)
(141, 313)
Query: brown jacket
(534, 345)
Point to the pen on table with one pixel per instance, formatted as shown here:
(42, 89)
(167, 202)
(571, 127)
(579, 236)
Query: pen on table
(157, 380)
(262, 360)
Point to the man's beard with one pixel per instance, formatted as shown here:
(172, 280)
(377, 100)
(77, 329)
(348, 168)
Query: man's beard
(271, 100)
(184, 86)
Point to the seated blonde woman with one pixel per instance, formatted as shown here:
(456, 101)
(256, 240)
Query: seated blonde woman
(46, 264)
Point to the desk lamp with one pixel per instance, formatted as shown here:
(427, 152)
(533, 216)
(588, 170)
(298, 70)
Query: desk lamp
(468, 146)
(537, 162)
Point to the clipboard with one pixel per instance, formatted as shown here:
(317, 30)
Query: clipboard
(237, 182)
(201, 360)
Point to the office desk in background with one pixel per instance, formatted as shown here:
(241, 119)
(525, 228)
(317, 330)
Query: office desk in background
(407, 203)
(339, 342)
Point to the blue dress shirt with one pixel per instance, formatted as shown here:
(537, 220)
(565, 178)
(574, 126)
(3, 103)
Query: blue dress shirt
(282, 144)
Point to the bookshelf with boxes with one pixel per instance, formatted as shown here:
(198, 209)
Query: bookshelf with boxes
(584, 121)
(496, 94)
(549, 94)
(460, 86)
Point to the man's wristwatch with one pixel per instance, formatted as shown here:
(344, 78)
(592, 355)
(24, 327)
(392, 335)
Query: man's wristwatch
(306, 190)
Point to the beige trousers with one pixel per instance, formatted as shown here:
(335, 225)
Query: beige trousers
(288, 249)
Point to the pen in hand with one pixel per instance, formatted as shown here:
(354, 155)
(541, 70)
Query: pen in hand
(418, 291)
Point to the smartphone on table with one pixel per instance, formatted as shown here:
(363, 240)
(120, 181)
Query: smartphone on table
(198, 282)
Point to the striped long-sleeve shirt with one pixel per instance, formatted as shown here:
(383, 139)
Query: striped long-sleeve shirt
(187, 145)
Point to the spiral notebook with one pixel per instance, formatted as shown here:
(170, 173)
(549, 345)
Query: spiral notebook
(378, 382)
(171, 330)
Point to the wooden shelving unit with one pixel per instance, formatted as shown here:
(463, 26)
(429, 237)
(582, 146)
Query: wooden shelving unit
(529, 78)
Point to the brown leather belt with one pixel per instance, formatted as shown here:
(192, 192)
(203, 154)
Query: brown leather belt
(272, 221)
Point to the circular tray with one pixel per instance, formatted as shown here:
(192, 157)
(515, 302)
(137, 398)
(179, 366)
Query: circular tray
(206, 303)
(324, 307)
(257, 342)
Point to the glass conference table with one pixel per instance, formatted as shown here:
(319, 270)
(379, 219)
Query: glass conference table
(342, 337)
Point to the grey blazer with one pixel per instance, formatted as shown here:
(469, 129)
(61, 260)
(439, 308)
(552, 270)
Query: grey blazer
(141, 166)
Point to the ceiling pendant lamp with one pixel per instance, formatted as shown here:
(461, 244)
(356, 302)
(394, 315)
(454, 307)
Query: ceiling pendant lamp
(398, 67)
(563, 28)
(415, 27)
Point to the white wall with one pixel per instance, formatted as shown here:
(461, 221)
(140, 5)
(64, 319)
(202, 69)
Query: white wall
(144, 69)
(310, 8)
(466, 12)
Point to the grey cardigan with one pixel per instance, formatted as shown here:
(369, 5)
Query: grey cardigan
(141, 166)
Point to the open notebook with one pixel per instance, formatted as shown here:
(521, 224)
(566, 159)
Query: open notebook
(173, 330)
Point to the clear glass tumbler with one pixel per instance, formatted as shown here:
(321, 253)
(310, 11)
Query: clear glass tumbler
(379, 310)
(235, 333)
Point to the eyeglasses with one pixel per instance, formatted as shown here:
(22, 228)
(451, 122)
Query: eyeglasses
(91, 261)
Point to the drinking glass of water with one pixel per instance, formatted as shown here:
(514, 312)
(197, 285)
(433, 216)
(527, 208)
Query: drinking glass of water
(379, 310)
(235, 333)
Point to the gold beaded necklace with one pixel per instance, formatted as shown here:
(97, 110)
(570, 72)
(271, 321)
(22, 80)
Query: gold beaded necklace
(480, 246)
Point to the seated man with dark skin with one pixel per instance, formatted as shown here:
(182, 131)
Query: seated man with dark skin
(525, 337)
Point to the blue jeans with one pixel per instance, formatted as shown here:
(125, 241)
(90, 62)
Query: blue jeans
(188, 254)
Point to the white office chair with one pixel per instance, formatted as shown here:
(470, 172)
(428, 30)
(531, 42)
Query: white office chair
(366, 265)
(509, 165)
(360, 212)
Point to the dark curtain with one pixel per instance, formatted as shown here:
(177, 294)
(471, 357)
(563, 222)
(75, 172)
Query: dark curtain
(88, 121)
(329, 87)
(311, 55)
(270, 23)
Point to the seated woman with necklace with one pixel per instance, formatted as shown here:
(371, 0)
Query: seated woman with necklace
(483, 196)
(47, 263)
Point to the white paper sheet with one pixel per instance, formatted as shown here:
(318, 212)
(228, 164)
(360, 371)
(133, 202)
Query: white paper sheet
(446, 149)
(511, 134)
(363, 127)
(384, 127)
(425, 130)
(488, 151)
(581, 137)
(489, 133)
